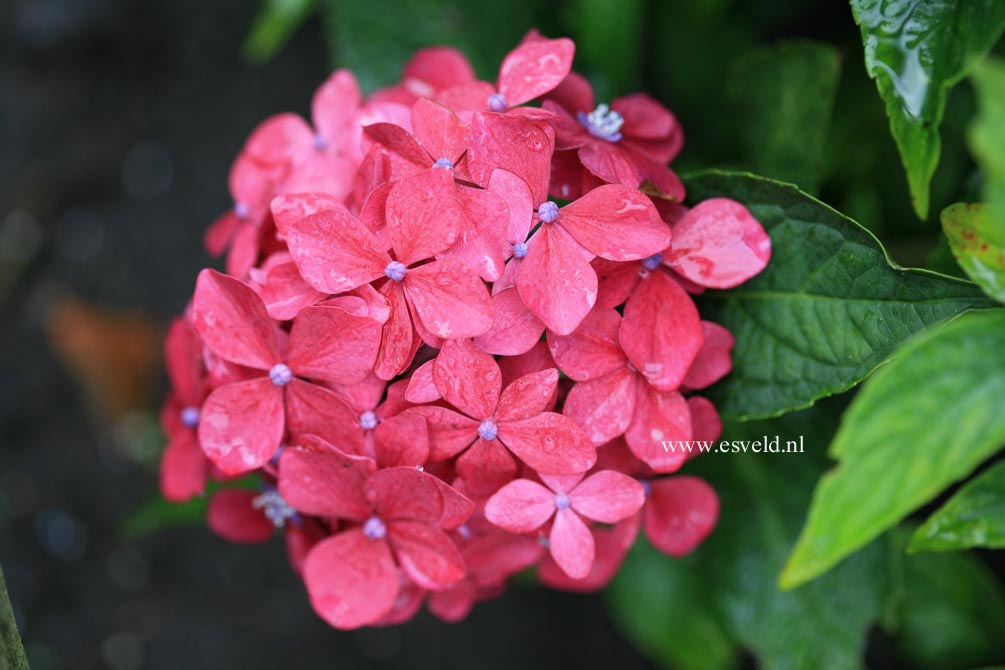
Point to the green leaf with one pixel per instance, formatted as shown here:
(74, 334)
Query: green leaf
(11, 651)
(376, 41)
(275, 23)
(829, 308)
(785, 96)
(916, 50)
(924, 421)
(664, 608)
(950, 611)
(973, 517)
(603, 30)
(987, 133)
(977, 238)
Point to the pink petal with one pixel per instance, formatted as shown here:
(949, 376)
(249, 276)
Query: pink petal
(300, 540)
(183, 360)
(279, 139)
(615, 281)
(608, 496)
(466, 98)
(485, 467)
(611, 163)
(719, 244)
(535, 360)
(426, 553)
(467, 378)
(449, 432)
(555, 281)
(680, 513)
(528, 396)
(291, 207)
(705, 422)
(232, 321)
(517, 196)
(183, 468)
(241, 425)
(574, 94)
(315, 410)
(405, 493)
(333, 345)
(244, 250)
(534, 68)
(521, 506)
(659, 416)
(571, 544)
(616, 222)
(400, 141)
(438, 130)
(603, 407)
(661, 332)
(402, 440)
(515, 330)
(334, 252)
(285, 292)
(321, 173)
(334, 106)
(220, 233)
(658, 180)
(611, 547)
(592, 350)
(373, 214)
(713, 361)
(352, 580)
(421, 388)
(481, 245)
(325, 484)
(436, 68)
(454, 604)
(514, 144)
(450, 301)
(397, 336)
(457, 508)
(231, 516)
(424, 216)
(549, 443)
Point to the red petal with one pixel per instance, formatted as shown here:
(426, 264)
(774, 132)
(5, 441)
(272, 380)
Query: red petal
(402, 440)
(321, 173)
(351, 580)
(232, 321)
(705, 422)
(612, 544)
(314, 410)
(603, 407)
(334, 252)
(610, 162)
(644, 117)
(454, 604)
(438, 130)
(285, 292)
(661, 332)
(438, 68)
(528, 396)
(616, 222)
(571, 544)
(521, 506)
(719, 244)
(535, 360)
(659, 416)
(608, 496)
(183, 360)
(574, 94)
(713, 361)
(241, 425)
(424, 216)
(468, 378)
(279, 139)
(592, 350)
(449, 432)
(220, 233)
(291, 207)
(405, 493)
(517, 196)
(325, 484)
(615, 281)
(520, 146)
(400, 141)
(457, 508)
(299, 540)
(426, 553)
(183, 467)
(420, 385)
(481, 245)
(397, 336)
(334, 106)
(515, 330)
(549, 443)
(485, 467)
(331, 344)
(231, 516)
(555, 281)
(534, 68)
(680, 513)
(450, 301)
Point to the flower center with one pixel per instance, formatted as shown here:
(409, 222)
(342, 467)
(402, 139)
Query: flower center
(652, 262)
(190, 416)
(603, 123)
(444, 163)
(497, 102)
(464, 531)
(241, 210)
(320, 143)
(548, 211)
(368, 420)
(274, 507)
(374, 528)
(280, 374)
(519, 250)
(488, 430)
(395, 271)
(561, 501)
(647, 488)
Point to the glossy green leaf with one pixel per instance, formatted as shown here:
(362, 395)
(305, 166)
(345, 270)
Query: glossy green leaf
(977, 238)
(829, 308)
(916, 50)
(785, 96)
(275, 23)
(11, 651)
(987, 133)
(924, 421)
(973, 517)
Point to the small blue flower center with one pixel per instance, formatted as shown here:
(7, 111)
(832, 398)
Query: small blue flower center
(603, 123)
(274, 507)
(519, 250)
(374, 528)
(652, 262)
(241, 210)
(561, 501)
(368, 420)
(464, 531)
(647, 488)
(280, 374)
(488, 430)
(497, 102)
(395, 271)
(320, 143)
(548, 211)
(444, 163)
(190, 416)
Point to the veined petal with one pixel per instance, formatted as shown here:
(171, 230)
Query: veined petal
(680, 513)
(231, 515)
(617, 223)
(424, 216)
(528, 396)
(325, 483)
(514, 144)
(534, 68)
(241, 425)
(232, 321)
(315, 410)
(549, 443)
(333, 345)
(426, 553)
(592, 350)
(468, 378)
(334, 252)
(603, 407)
(404, 493)
(556, 282)
(449, 299)
(515, 330)
(659, 416)
(713, 361)
(438, 130)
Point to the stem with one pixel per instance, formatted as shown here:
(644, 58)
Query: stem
(11, 652)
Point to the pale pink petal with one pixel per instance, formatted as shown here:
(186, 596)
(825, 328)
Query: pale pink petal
(521, 506)
(603, 407)
(680, 513)
(232, 321)
(659, 417)
(241, 425)
(421, 388)
(571, 544)
(607, 496)
(592, 350)
(515, 330)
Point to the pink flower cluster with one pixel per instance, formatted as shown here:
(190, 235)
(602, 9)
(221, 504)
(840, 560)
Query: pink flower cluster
(453, 334)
